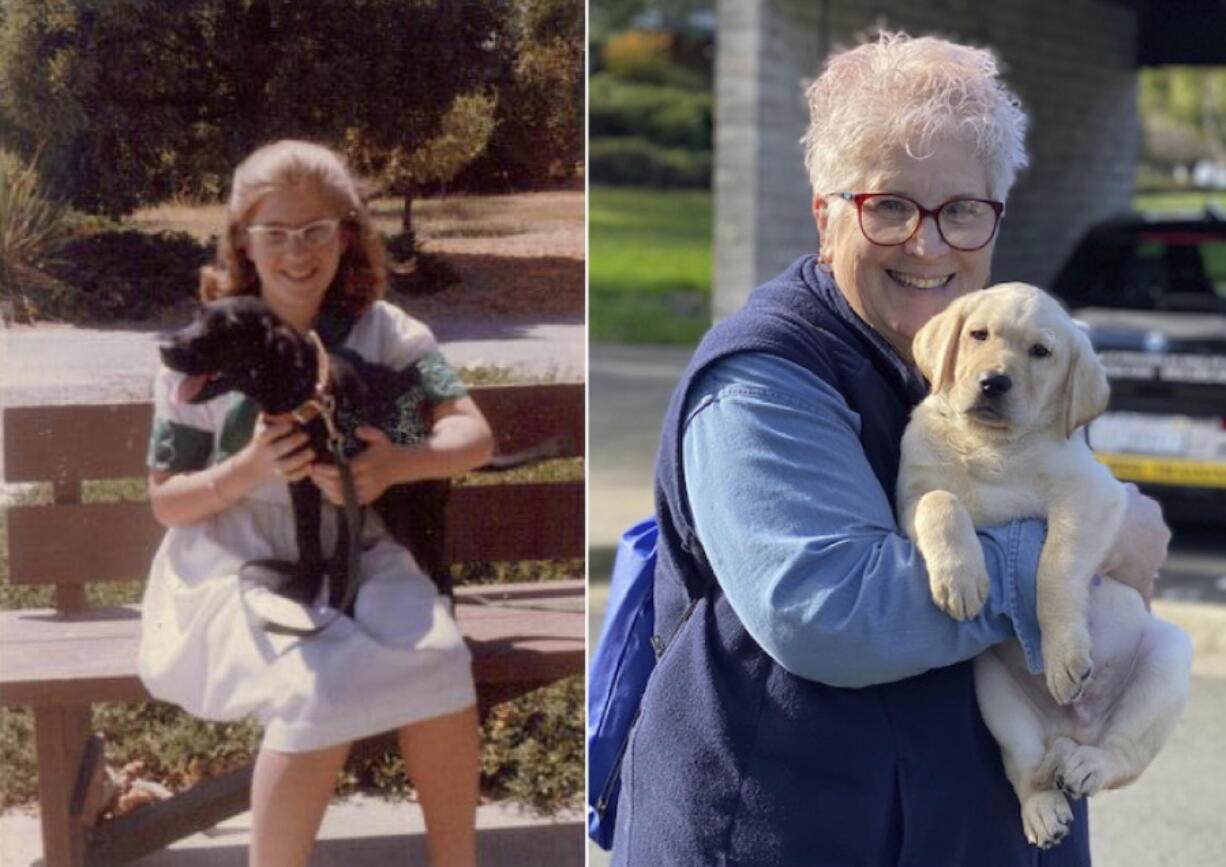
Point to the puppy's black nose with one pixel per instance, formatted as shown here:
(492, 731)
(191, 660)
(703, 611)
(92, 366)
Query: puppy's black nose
(994, 384)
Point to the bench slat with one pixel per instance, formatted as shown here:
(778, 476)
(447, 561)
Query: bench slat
(74, 544)
(65, 444)
(92, 656)
(529, 521)
(69, 443)
(523, 415)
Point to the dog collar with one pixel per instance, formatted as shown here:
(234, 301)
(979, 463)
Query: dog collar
(321, 403)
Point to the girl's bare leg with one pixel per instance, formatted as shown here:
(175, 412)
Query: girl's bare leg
(289, 793)
(441, 756)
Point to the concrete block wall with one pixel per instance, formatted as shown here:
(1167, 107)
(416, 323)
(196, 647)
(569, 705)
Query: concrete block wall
(1072, 62)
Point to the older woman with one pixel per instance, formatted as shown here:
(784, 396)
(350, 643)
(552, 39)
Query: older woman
(811, 705)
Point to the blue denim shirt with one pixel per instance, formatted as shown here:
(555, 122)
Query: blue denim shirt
(830, 587)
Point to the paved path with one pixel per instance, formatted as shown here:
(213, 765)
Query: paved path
(357, 832)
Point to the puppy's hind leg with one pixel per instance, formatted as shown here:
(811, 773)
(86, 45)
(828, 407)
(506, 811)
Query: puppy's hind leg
(1141, 721)
(1022, 736)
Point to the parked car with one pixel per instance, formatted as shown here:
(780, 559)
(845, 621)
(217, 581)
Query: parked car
(1152, 291)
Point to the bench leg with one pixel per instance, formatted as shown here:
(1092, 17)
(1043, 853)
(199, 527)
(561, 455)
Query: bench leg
(60, 735)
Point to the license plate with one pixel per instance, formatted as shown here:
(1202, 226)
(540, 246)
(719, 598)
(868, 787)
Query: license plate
(1179, 436)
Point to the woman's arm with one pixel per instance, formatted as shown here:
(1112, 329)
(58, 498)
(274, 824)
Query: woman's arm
(185, 498)
(805, 545)
(460, 440)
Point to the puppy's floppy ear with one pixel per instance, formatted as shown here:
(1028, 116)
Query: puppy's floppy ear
(935, 347)
(1086, 391)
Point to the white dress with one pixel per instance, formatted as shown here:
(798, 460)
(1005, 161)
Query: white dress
(400, 659)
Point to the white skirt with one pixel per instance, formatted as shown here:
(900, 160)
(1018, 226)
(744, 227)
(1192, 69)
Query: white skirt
(400, 659)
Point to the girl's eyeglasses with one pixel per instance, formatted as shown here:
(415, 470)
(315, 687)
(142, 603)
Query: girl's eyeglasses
(888, 220)
(313, 235)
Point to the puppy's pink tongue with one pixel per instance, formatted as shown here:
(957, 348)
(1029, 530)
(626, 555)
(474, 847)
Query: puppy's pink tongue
(189, 387)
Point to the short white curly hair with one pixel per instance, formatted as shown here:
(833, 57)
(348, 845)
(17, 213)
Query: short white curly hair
(909, 91)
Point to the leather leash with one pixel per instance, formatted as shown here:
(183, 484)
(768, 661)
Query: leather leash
(324, 404)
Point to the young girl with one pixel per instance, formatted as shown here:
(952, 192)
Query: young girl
(299, 237)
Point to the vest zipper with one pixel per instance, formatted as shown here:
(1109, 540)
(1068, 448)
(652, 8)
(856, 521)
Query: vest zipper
(615, 770)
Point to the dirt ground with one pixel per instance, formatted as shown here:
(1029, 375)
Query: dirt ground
(519, 254)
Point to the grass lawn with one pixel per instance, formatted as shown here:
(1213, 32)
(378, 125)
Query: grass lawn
(649, 264)
(1178, 200)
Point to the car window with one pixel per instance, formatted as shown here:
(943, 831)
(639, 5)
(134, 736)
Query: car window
(1154, 269)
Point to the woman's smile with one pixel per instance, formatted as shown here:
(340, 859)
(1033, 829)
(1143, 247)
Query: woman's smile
(918, 281)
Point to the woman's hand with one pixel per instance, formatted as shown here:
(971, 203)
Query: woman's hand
(1140, 546)
(376, 469)
(276, 449)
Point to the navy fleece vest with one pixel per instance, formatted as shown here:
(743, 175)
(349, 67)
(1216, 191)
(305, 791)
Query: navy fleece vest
(736, 761)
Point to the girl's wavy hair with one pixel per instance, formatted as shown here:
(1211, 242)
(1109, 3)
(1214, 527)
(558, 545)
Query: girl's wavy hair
(361, 277)
(904, 90)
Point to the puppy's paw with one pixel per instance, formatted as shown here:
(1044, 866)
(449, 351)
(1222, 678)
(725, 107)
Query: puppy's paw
(959, 585)
(1084, 771)
(1046, 817)
(1067, 667)
(1053, 761)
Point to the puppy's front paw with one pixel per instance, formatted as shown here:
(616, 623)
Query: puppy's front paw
(1067, 666)
(1083, 772)
(1046, 817)
(959, 585)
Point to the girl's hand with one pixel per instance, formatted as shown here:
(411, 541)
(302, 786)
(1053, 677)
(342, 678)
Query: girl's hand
(277, 449)
(374, 470)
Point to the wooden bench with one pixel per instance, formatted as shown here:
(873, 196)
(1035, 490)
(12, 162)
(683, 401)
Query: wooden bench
(59, 661)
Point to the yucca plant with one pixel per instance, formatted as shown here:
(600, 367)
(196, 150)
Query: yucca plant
(31, 226)
(30, 223)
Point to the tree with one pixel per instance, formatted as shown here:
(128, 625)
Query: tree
(540, 83)
(1185, 114)
(462, 136)
(133, 102)
(107, 96)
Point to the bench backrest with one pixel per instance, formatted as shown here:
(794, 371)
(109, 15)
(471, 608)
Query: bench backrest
(68, 543)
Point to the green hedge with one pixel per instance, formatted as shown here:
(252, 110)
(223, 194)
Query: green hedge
(126, 274)
(638, 162)
(666, 116)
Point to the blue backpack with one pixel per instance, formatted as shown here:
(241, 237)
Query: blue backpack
(621, 665)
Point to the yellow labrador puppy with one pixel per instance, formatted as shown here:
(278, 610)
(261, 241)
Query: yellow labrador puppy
(1012, 380)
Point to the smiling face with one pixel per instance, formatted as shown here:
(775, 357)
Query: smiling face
(294, 275)
(897, 289)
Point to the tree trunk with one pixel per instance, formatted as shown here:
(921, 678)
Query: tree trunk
(406, 223)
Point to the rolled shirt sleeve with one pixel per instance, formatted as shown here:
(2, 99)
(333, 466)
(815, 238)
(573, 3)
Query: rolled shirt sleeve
(805, 545)
(181, 439)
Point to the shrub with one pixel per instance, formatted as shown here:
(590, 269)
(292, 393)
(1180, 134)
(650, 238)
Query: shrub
(666, 116)
(637, 162)
(128, 274)
(637, 55)
(30, 224)
(532, 747)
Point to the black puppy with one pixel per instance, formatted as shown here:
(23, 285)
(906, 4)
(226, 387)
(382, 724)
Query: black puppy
(238, 344)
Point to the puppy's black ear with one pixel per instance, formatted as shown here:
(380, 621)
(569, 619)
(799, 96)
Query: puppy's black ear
(1086, 390)
(935, 347)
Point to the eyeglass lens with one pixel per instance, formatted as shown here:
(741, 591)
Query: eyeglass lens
(312, 235)
(964, 223)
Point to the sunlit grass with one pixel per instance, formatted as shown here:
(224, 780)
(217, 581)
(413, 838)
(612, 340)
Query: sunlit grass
(649, 264)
